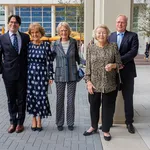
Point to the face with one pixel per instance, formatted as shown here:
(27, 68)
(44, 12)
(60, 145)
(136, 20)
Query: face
(35, 34)
(101, 35)
(13, 25)
(121, 24)
(64, 33)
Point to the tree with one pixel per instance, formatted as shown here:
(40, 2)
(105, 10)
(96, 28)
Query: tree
(79, 10)
(142, 18)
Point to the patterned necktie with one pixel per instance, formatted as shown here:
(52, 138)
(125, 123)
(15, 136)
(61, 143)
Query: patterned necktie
(119, 39)
(15, 42)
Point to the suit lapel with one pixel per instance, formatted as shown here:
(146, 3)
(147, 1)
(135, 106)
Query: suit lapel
(21, 42)
(60, 47)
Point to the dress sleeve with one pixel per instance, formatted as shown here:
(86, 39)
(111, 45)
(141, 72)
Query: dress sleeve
(49, 63)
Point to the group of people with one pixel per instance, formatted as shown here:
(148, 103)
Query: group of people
(27, 69)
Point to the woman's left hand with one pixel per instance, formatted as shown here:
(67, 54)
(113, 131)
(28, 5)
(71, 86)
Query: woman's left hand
(50, 81)
(109, 67)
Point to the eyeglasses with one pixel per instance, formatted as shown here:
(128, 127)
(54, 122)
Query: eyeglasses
(12, 22)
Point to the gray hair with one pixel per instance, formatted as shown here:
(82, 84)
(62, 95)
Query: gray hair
(63, 24)
(100, 26)
(121, 15)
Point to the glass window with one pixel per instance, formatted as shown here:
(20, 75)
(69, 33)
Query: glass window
(17, 13)
(17, 8)
(36, 19)
(47, 30)
(60, 8)
(46, 8)
(71, 8)
(23, 29)
(26, 19)
(70, 19)
(48, 13)
(37, 9)
(26, 13)
(47, 19)
(25, 25)
(24, 8)
(46, 25)
(59, 19)
(36, 13)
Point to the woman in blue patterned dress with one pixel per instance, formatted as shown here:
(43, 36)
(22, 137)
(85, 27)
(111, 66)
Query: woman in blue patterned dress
(40, 74)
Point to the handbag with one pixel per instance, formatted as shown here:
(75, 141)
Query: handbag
(80, 74)
(118, 81)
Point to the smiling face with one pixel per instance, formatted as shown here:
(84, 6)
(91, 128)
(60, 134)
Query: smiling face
(64, 33)
(121, 24)
(35, 34)
(13, 25)
(101, 35)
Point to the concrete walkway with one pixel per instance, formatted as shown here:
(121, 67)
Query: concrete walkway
(121, 139)
(50, 138)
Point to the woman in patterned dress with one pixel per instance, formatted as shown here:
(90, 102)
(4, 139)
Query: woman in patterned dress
(40, 74)
(102, 62)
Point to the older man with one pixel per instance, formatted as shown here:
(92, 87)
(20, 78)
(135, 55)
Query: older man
(128, 45)
(13, 66)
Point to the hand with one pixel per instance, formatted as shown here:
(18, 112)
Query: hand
(109, 67)
(90, 87)
(121, 66)
(50, 81)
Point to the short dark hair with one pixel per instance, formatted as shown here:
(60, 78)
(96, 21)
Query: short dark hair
(18, 19)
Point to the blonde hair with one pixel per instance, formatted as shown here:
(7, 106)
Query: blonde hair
(38, 26)
(63, 24)
(100, 26)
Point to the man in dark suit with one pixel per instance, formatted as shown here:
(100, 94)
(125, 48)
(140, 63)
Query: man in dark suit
(13, 64)
(128, 47)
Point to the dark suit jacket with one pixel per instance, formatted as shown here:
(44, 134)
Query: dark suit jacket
(66, 68)
(128, 50)
(12, 64)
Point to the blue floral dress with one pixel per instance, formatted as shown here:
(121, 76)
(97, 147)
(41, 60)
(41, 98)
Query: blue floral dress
(40, 70)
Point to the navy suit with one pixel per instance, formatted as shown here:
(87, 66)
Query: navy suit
(128, 50)
(14, 72)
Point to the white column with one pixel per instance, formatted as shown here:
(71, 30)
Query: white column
(104, 15)
(6, 18)
(53, 21)
(88, 22)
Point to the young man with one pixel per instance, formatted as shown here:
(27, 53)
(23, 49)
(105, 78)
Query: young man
(13, 64)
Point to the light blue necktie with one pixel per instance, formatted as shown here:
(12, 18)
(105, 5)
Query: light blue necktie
(119, 39)
(15, 42)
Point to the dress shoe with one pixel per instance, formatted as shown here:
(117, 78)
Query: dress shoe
(11, 129)
(89, 133)
(60, 128)
(39, 129)
(71, 128)
(19, 128)
(107, 138)
(131, 128)
(33, 128)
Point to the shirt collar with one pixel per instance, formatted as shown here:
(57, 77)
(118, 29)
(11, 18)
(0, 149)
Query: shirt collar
(120, 33)
(10, 33)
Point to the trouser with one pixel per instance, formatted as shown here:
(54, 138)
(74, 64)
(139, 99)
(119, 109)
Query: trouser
(127, 92)
(16, 94)
(60, 89)
(108, 105)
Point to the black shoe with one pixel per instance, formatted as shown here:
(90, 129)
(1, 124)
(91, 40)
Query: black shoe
(39, 129)
(60, 128)
(107, 138)
(71, 128)
(33, 128)
(131, 128)
(89, 133)
(100, 128)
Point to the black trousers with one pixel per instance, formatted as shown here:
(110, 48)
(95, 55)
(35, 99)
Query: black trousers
(127, 92)
(16, 94)
(108, 106)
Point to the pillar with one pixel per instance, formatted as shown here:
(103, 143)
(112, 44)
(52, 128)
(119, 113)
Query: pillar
(88, 22)
(106, 12)
(53, 21)
(6, 17)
